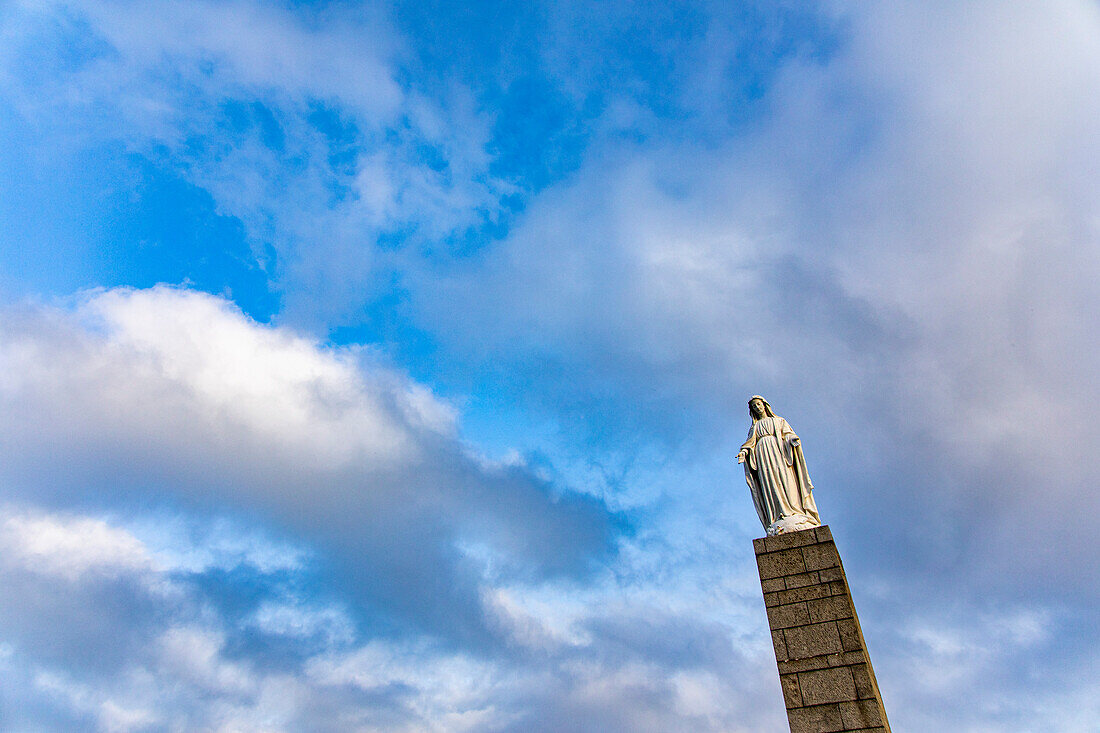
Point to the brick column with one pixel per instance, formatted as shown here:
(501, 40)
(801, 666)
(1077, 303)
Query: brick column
(827, 680)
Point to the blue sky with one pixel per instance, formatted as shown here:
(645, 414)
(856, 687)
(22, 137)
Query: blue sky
(382, 367)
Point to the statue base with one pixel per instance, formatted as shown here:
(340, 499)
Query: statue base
(824, 670)
(793, 523)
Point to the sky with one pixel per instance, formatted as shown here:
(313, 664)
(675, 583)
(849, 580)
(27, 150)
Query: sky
(383, 366)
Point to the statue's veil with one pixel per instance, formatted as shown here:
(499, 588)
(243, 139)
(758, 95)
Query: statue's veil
(767, 407)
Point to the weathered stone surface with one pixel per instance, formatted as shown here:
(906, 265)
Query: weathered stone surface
(780, 646)
(811, 640)
(779, 564)
(792, 695)
(865, 689)
(825, 673)
(790, 539)
(860, 714)
(771, 585)
(821, 556)
(794, 614)
(816, 719)
(804, 665)
(850, 638)
(801, 580)
(829, 609)
(804, 593)
(833, 684)
(856, 657)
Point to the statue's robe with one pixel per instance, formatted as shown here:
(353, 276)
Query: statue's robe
(776, 474)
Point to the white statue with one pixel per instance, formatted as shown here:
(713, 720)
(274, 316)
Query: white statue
(775, 471)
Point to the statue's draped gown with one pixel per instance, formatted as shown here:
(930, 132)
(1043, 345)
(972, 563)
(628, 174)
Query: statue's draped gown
(776, 473)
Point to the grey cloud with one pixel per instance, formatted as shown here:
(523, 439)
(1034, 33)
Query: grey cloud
(904, 257)
(933, 274)
(128, 409)
(166, 652)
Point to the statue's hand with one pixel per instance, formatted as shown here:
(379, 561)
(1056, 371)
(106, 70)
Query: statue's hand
(742, 456)
(795, 442)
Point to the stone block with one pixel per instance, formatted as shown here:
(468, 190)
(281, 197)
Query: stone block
(784, 617)
(801, 580)
(824, 534)
(850, 638)
(804, 593)
(834, 684)
(772, 585)
(831, 574)
(816, 719)
(860, 714)
(791, 666)
(780, 646)
(820, 556)
(789, 540)
(812, 640)
(856, 657)
(865, 688)
(792, 696)
(829, 609)
(780, 564)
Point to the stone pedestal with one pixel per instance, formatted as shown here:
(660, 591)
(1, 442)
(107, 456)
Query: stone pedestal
(824, 670)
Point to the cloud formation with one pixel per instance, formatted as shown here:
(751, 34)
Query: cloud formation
(424, 588)
(300, 146)
(171, 396)
(894, 262)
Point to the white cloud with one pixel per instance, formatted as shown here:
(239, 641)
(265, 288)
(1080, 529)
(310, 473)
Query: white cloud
(312, 404)
(160, 397)
(194, 655)
(69, 548)
(110, 715)
(305, 621)
(446, 691)
(262, 47)
(173, 363)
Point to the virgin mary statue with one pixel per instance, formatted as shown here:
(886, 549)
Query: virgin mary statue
(775, 471)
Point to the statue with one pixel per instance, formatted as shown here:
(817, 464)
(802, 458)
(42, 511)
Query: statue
(775, 471)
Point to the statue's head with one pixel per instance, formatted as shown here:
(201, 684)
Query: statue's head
(759, 407)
